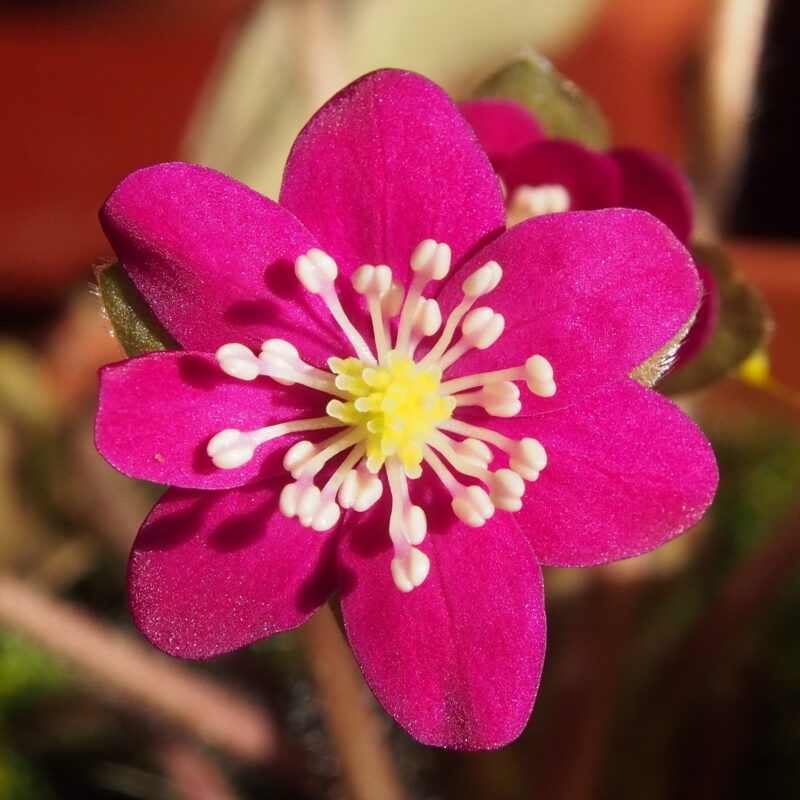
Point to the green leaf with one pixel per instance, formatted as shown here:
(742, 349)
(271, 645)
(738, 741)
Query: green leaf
(562, 108)
(132, 320)
(744, 325)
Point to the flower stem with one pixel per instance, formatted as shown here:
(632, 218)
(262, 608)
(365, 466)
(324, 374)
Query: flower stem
(350, 714)
(142, 676)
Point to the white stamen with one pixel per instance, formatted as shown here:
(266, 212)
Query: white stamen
(238, 361)
(472, 506)
(528, 458)
(298, 455)
(534, 372)
(231, 448)
(374, 283)
(410, 569)
(472, 451)
(506, 490)
(483, 280)
(392, 301)
(360, 489)
(316, 270)
(498, 399)
(481, 329)
(480, 282)
(429, 261)
(540, 376)
(427, 318)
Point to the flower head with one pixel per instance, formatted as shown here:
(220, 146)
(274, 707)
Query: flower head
(384, 392)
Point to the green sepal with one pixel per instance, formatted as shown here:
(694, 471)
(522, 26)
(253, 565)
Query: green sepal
(132, 320)
(561, 107)
(744, 325)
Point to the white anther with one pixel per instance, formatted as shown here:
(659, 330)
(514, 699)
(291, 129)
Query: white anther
(360, 489)
(482, 327)
(528, 458)
(472, 506)
(474, 452)
(297, 456)
(278, 353)
(507, 488)
(315, 270)
(279, 350)
(230, 449)
(392, 301)
(539, 373)
(326, 516)
(483, 280)
(410, 570)
(308, 503)
(431, 259)
(427, 317)
(367, 279)
(287, 503)
(238, 361)
(415, 525)
(501, 399)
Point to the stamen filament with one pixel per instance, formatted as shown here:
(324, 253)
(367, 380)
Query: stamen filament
(471, 381)
(407, 313)
(331, 299)
(380, 326)
(231, 448)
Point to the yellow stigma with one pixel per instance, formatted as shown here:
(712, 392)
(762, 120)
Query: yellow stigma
(394, 404)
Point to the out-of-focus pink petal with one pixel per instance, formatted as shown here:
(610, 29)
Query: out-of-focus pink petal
(626, 472)
(594, 292)
(653, 183)
(504, 127)
(589, 177)
(157, 413)
(385, 164)
(214, 571)
(456, 661)
(215, 260)
(705, 322)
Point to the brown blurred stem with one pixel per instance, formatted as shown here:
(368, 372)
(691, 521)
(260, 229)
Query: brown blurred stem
(572, 757)
(144, 678)
(745, 595)
(350, 713)
(191, 772)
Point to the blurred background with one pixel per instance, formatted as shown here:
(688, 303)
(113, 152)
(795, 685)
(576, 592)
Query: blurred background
(667, 676)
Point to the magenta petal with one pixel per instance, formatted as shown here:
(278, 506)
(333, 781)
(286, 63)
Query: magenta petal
(456, 661)
(157, 413)
(594, 292)
(653, 183)
(626, 471)
(504, 127)
(591, 178)
(215, 260)
(214, 571)
(385, 164)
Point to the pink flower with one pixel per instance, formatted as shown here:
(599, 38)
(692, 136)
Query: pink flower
(543, 175)
(390, 498)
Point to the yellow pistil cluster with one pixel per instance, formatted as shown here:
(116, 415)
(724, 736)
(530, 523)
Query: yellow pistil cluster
(395, 404)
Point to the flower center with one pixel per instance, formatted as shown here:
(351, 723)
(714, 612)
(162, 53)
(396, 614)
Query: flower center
(395, 419)
(534, 201)
(396, 407)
